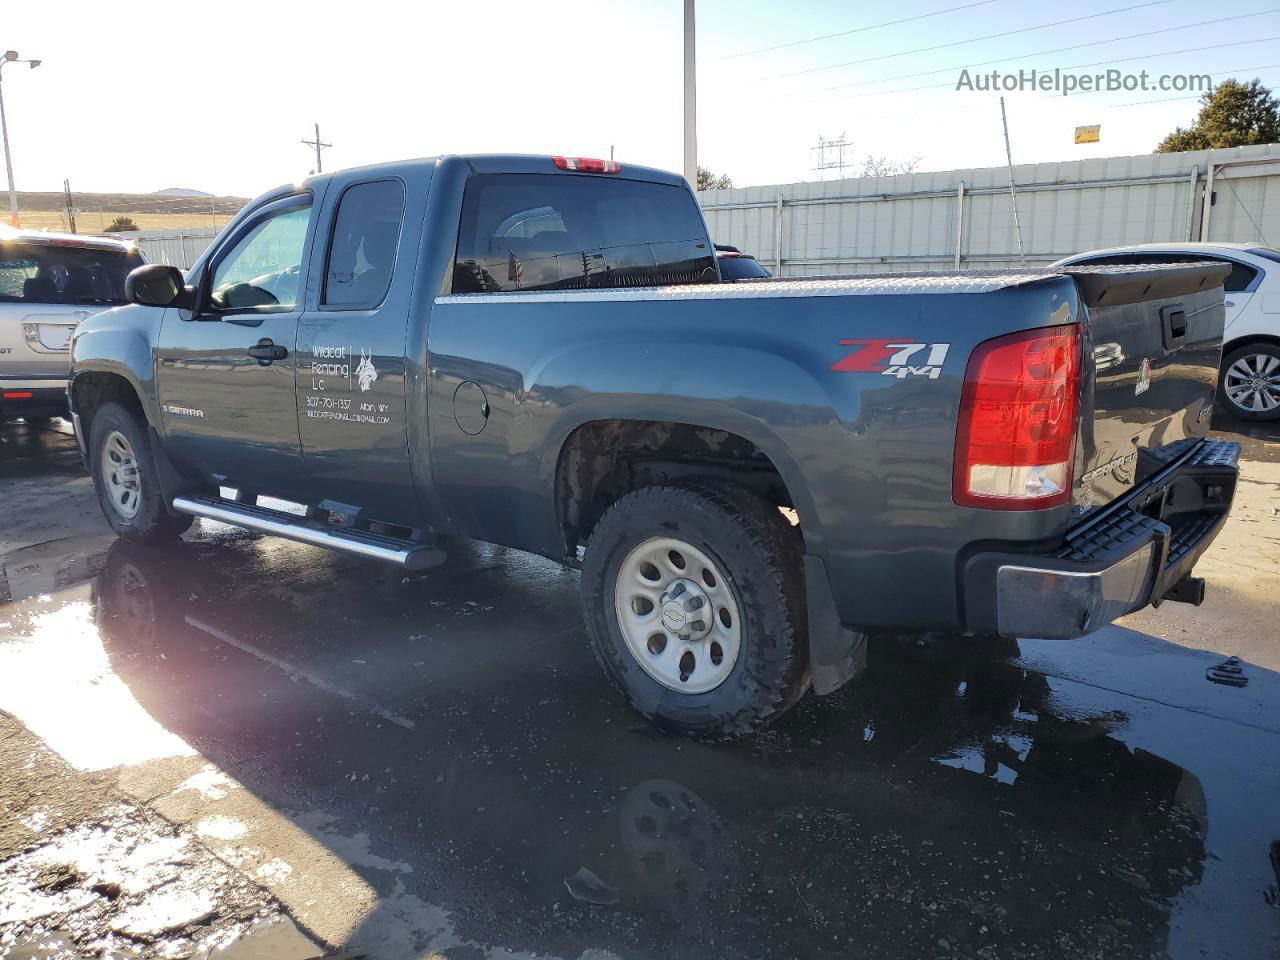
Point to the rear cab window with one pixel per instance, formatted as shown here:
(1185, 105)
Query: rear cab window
(63, 274)
(563, 232)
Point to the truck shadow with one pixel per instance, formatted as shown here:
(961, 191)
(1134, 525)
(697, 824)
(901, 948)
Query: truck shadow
(459, 723)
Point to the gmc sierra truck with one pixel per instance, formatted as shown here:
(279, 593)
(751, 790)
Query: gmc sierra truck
(752, 476)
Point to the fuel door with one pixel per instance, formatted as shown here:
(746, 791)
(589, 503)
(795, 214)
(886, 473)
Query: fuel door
(470, 407)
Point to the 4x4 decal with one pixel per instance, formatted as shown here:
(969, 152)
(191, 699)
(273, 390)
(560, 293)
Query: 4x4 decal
(894, 358)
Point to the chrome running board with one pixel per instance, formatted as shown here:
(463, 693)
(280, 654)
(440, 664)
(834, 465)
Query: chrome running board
(403, 553)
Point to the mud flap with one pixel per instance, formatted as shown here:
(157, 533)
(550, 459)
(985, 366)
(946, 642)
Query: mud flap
(172, 483)
(836, 653)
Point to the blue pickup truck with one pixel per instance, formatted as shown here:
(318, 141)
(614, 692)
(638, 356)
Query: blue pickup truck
(539, 352)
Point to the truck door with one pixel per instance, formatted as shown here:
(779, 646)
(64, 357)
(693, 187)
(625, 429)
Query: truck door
(225, 372)
(351, 353)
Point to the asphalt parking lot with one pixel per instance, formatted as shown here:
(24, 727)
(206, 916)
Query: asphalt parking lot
(246, 747)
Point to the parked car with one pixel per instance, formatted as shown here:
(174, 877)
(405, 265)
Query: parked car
(50, 282)
(1249, 380)
(736, 265)
(537, 352)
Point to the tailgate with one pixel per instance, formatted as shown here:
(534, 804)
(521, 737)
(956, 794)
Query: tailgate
(1155, 334)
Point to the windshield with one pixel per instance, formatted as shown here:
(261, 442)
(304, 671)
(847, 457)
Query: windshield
(42, 273)
(740, 268)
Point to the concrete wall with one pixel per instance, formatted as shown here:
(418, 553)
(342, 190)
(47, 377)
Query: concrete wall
(911, 222)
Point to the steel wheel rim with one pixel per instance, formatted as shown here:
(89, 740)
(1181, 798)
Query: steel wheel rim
(1253, 383)
(120, 475)
(679, 617)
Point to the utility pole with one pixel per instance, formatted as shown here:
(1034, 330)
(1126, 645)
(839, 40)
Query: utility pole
(213, 210)
(826, 161)
(690, 100)
(1013, 197)
(71, 210)
(318, 145)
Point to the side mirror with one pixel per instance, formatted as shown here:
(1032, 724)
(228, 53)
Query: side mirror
(157, 285)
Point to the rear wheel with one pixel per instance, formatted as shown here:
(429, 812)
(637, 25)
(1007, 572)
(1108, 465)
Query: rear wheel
(1249, 384)
(694, 600)
(124, 476)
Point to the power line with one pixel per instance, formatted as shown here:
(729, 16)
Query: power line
(845, 33)
(1076, 46)
(1212, 73)
(1098, 63)
(959, 43)
(986, 104)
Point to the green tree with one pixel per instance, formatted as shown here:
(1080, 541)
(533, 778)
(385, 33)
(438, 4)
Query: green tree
(710, 181)
(1233, 115)
(121, 224)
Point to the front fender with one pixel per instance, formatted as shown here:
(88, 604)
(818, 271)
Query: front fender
(119, 342)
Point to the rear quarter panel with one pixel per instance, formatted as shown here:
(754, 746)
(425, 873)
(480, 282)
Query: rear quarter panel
(866, 455)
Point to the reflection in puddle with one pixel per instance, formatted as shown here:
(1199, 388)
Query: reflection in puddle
(936, 799)
(998, 758)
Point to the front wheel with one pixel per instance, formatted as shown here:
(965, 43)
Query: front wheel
(1249, 384)
(694, 600)
(124, 476)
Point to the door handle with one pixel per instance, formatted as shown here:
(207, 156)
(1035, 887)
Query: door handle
(264, 351)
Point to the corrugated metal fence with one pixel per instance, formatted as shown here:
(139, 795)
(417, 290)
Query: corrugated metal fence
(178, 248)
(963, 219)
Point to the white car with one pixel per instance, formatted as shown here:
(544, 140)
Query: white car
(1249, 382)
(49, 283)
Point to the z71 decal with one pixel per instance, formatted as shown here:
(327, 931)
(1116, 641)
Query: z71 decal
(893, 358)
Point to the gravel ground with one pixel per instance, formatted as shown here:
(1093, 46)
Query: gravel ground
(242, 747)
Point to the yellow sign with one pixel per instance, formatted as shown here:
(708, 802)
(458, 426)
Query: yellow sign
(1089, 134)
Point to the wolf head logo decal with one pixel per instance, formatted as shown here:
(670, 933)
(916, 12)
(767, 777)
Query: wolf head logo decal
(366, 372)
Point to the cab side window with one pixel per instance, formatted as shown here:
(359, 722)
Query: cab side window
(362, 250)
(261, 270)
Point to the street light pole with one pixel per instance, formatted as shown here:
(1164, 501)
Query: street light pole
(690, 100)
(10, 56)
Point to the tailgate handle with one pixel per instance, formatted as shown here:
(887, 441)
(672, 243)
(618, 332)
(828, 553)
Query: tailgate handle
(1173, 320)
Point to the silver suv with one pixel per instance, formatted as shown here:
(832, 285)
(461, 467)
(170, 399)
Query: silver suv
(49, 283)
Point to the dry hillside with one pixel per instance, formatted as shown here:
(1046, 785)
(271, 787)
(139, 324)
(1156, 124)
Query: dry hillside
(149, 211)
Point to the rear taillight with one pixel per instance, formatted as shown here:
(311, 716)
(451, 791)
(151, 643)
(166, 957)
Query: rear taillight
(586, 164)
(17, 394)
(1017, 423)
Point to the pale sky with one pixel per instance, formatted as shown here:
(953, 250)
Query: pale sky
(216, 96)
